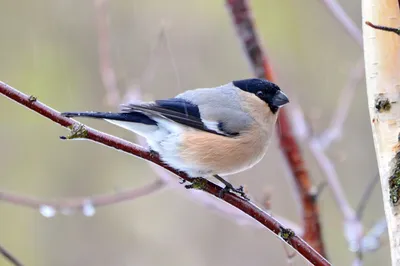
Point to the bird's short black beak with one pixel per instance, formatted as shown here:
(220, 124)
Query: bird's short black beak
(279, 99)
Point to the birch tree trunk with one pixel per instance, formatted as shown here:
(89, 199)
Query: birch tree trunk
(382, 65)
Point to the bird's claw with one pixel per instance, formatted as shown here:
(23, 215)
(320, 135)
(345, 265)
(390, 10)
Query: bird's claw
(230, 188)
(153, 153)
(196, 183)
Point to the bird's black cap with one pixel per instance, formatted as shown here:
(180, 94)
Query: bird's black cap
(265, 90)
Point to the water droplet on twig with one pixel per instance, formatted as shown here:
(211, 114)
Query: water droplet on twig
(47, 211)
(88, 208)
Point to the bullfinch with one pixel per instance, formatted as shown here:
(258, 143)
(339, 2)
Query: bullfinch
(206, 132)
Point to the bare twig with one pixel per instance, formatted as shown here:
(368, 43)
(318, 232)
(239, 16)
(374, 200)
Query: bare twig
(384, 28)
(335, 129)
(341, 15)
(353, 228)
(290, 255)
(366, 195)
(10, 257)
(106, 70)
(72, 204)
(171, 57)
(372, 240)
(246, 206)
(243, 22)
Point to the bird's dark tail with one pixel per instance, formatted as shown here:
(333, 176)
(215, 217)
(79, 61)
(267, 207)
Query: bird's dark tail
(134, 117)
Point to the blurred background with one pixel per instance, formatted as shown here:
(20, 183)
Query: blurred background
(49, 48)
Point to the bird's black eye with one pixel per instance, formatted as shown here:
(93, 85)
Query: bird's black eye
(260, 94)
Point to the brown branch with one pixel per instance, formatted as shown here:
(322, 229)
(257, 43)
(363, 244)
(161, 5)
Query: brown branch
(10, 257)
(245, 206)
(243, 22)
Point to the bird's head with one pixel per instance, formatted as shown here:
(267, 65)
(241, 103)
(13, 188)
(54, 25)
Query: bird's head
(265, 90)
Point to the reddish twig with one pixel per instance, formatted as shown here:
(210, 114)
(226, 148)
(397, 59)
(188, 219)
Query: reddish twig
(10, 257)
(245, 29)
(245, 206)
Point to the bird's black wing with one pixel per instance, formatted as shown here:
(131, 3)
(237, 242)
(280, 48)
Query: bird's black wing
(178, 110)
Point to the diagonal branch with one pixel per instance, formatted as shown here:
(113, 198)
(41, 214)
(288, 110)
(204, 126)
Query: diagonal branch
(10, 257)
(346, 98)
(243, 23)
(91, 134)
(341, 15)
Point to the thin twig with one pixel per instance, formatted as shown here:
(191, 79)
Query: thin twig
(384, 28)
(72, 204)
(238, 216)
(290, 255)
(372, 240)
(353, 228)
(244, 25)
(91, 134)
(335, 129)
(106, 70)
(171, 57)
(148, 72)
(10, 257)
(341, 15)
(366, 195)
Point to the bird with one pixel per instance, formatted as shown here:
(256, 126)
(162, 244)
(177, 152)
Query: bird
(206, 132)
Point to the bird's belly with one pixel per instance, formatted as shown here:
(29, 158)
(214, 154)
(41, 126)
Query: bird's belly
(205, 154)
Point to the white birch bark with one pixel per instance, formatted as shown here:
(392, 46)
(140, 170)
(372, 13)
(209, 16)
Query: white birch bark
(382, 64)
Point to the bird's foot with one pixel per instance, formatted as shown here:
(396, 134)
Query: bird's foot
(230, 188)
(153, 153)
(182, 181)
(197, 183)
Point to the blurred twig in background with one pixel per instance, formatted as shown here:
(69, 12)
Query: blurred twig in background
(353, 228)
(338, 12)
(108, 76)
(9, 257)
(49, 208)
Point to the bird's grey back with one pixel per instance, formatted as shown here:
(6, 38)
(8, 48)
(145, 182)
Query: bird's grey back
(220, 104)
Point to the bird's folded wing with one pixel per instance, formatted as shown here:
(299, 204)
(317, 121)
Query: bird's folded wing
(177, 110)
